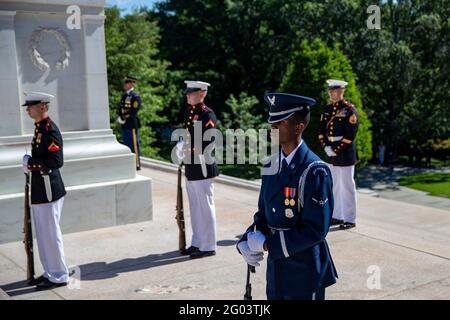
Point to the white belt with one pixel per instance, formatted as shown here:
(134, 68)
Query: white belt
(335, 139)
(278, 229)
(282, 239)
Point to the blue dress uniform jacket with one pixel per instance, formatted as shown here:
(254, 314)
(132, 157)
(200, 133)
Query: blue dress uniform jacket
(337, 128)
(299, 262)
(130, 103)
(206, 115)
(46, 159)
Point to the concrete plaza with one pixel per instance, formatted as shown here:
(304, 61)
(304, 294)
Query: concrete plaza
(409, 244)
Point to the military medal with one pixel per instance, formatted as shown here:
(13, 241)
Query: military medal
(289, 213)
(289, 194)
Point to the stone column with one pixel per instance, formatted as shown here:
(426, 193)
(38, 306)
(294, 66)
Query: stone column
(96, 76)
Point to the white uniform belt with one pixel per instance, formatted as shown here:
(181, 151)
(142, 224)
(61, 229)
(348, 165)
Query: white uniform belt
(335, 139)
(278, 229)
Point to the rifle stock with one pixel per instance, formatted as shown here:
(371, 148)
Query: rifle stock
(180, 214)
(27, 229)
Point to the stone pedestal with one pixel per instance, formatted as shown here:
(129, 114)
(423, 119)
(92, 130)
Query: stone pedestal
(99, 173)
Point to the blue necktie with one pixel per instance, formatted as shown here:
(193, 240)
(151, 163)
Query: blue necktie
(284, 164)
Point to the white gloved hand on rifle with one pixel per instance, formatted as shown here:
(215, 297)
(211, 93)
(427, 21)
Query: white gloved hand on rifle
(329, 151)
(119, 120)
(25, 163)
(251, 257)
(256, 240)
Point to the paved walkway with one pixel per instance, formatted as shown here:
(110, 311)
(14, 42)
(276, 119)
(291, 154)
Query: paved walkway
(383, 182)
(409, 244)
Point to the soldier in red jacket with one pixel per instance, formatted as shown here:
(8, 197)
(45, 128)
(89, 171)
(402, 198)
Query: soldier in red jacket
(47, 191)
(337, 132)
(200, 170)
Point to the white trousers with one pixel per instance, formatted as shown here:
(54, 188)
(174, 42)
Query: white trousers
(203, 213)
(46, 218)
(344, 193)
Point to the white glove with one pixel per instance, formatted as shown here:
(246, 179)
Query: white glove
(250, 257)
(329, 151)
(119, 120)
(25, 163)
(256, 241)
(180, 151)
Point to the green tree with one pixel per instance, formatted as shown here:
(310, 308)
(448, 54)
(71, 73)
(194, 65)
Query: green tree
(246, 45)
(242, 116)
(132, 48)
(312, 64)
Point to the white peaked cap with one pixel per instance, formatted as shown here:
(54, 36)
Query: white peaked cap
(197, 85)
(336, 83)
(35, 97)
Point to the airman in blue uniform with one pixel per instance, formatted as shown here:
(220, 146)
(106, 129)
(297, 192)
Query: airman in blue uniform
(294, 210)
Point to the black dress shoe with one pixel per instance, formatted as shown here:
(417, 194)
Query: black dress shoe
(347, 225)
(190, 250)
(37, 280)
(48, 285)
(202, 254)
(335, 222)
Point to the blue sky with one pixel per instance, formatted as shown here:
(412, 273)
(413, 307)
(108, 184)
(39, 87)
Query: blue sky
(127, 6)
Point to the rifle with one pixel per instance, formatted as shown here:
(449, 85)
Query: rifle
(180, 214)
(248, 286)
(27, 230)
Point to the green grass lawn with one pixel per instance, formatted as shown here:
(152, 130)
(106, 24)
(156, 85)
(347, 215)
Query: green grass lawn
(437, 184)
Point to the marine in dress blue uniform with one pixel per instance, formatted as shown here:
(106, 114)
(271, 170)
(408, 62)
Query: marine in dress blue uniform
(200, 170)
(47, 191)
(294, 212)
(337, 132)
(129, 106)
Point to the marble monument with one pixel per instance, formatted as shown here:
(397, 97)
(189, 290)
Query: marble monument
(58, 46)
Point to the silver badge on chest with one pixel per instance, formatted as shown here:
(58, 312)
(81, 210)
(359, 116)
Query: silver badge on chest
(289, 213)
